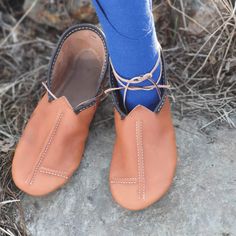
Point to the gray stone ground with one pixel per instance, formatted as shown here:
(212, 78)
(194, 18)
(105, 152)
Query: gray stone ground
(202, 200)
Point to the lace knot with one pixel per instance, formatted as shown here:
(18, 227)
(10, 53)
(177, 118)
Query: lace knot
(147, 76)
(129, 84)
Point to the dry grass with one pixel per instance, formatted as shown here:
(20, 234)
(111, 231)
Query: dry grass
(24, 57)
(202, 67)
(201, 70)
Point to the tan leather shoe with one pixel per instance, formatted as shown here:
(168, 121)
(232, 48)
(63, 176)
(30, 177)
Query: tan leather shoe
(53, 142)
(144, 157)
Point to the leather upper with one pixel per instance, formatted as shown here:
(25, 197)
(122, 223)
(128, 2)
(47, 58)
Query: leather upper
(144, 157)
(145, 154)
(53, 142)
(51, 146)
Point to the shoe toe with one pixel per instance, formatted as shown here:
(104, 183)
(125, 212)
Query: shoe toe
(144, 157)
(51, 147)
(137, 193)
(40, 184)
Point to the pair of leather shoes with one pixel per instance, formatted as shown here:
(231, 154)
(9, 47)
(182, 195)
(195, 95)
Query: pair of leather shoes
(53, 142)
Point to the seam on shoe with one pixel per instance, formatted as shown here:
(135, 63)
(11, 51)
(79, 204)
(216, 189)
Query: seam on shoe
(142, 160)
(123, 182)
(54, 170)
(125, 178)
(161, 104)
(115, 96)
(53, 173)
(46, 148)
(139, 187)
(86, 107)
(140, 153)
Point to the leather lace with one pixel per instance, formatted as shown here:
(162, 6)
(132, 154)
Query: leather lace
(131, 84)
(100, 95)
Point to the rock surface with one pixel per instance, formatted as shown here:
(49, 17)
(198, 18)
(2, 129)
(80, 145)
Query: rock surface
(202, 200)
(61, 14)
(205, 13)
